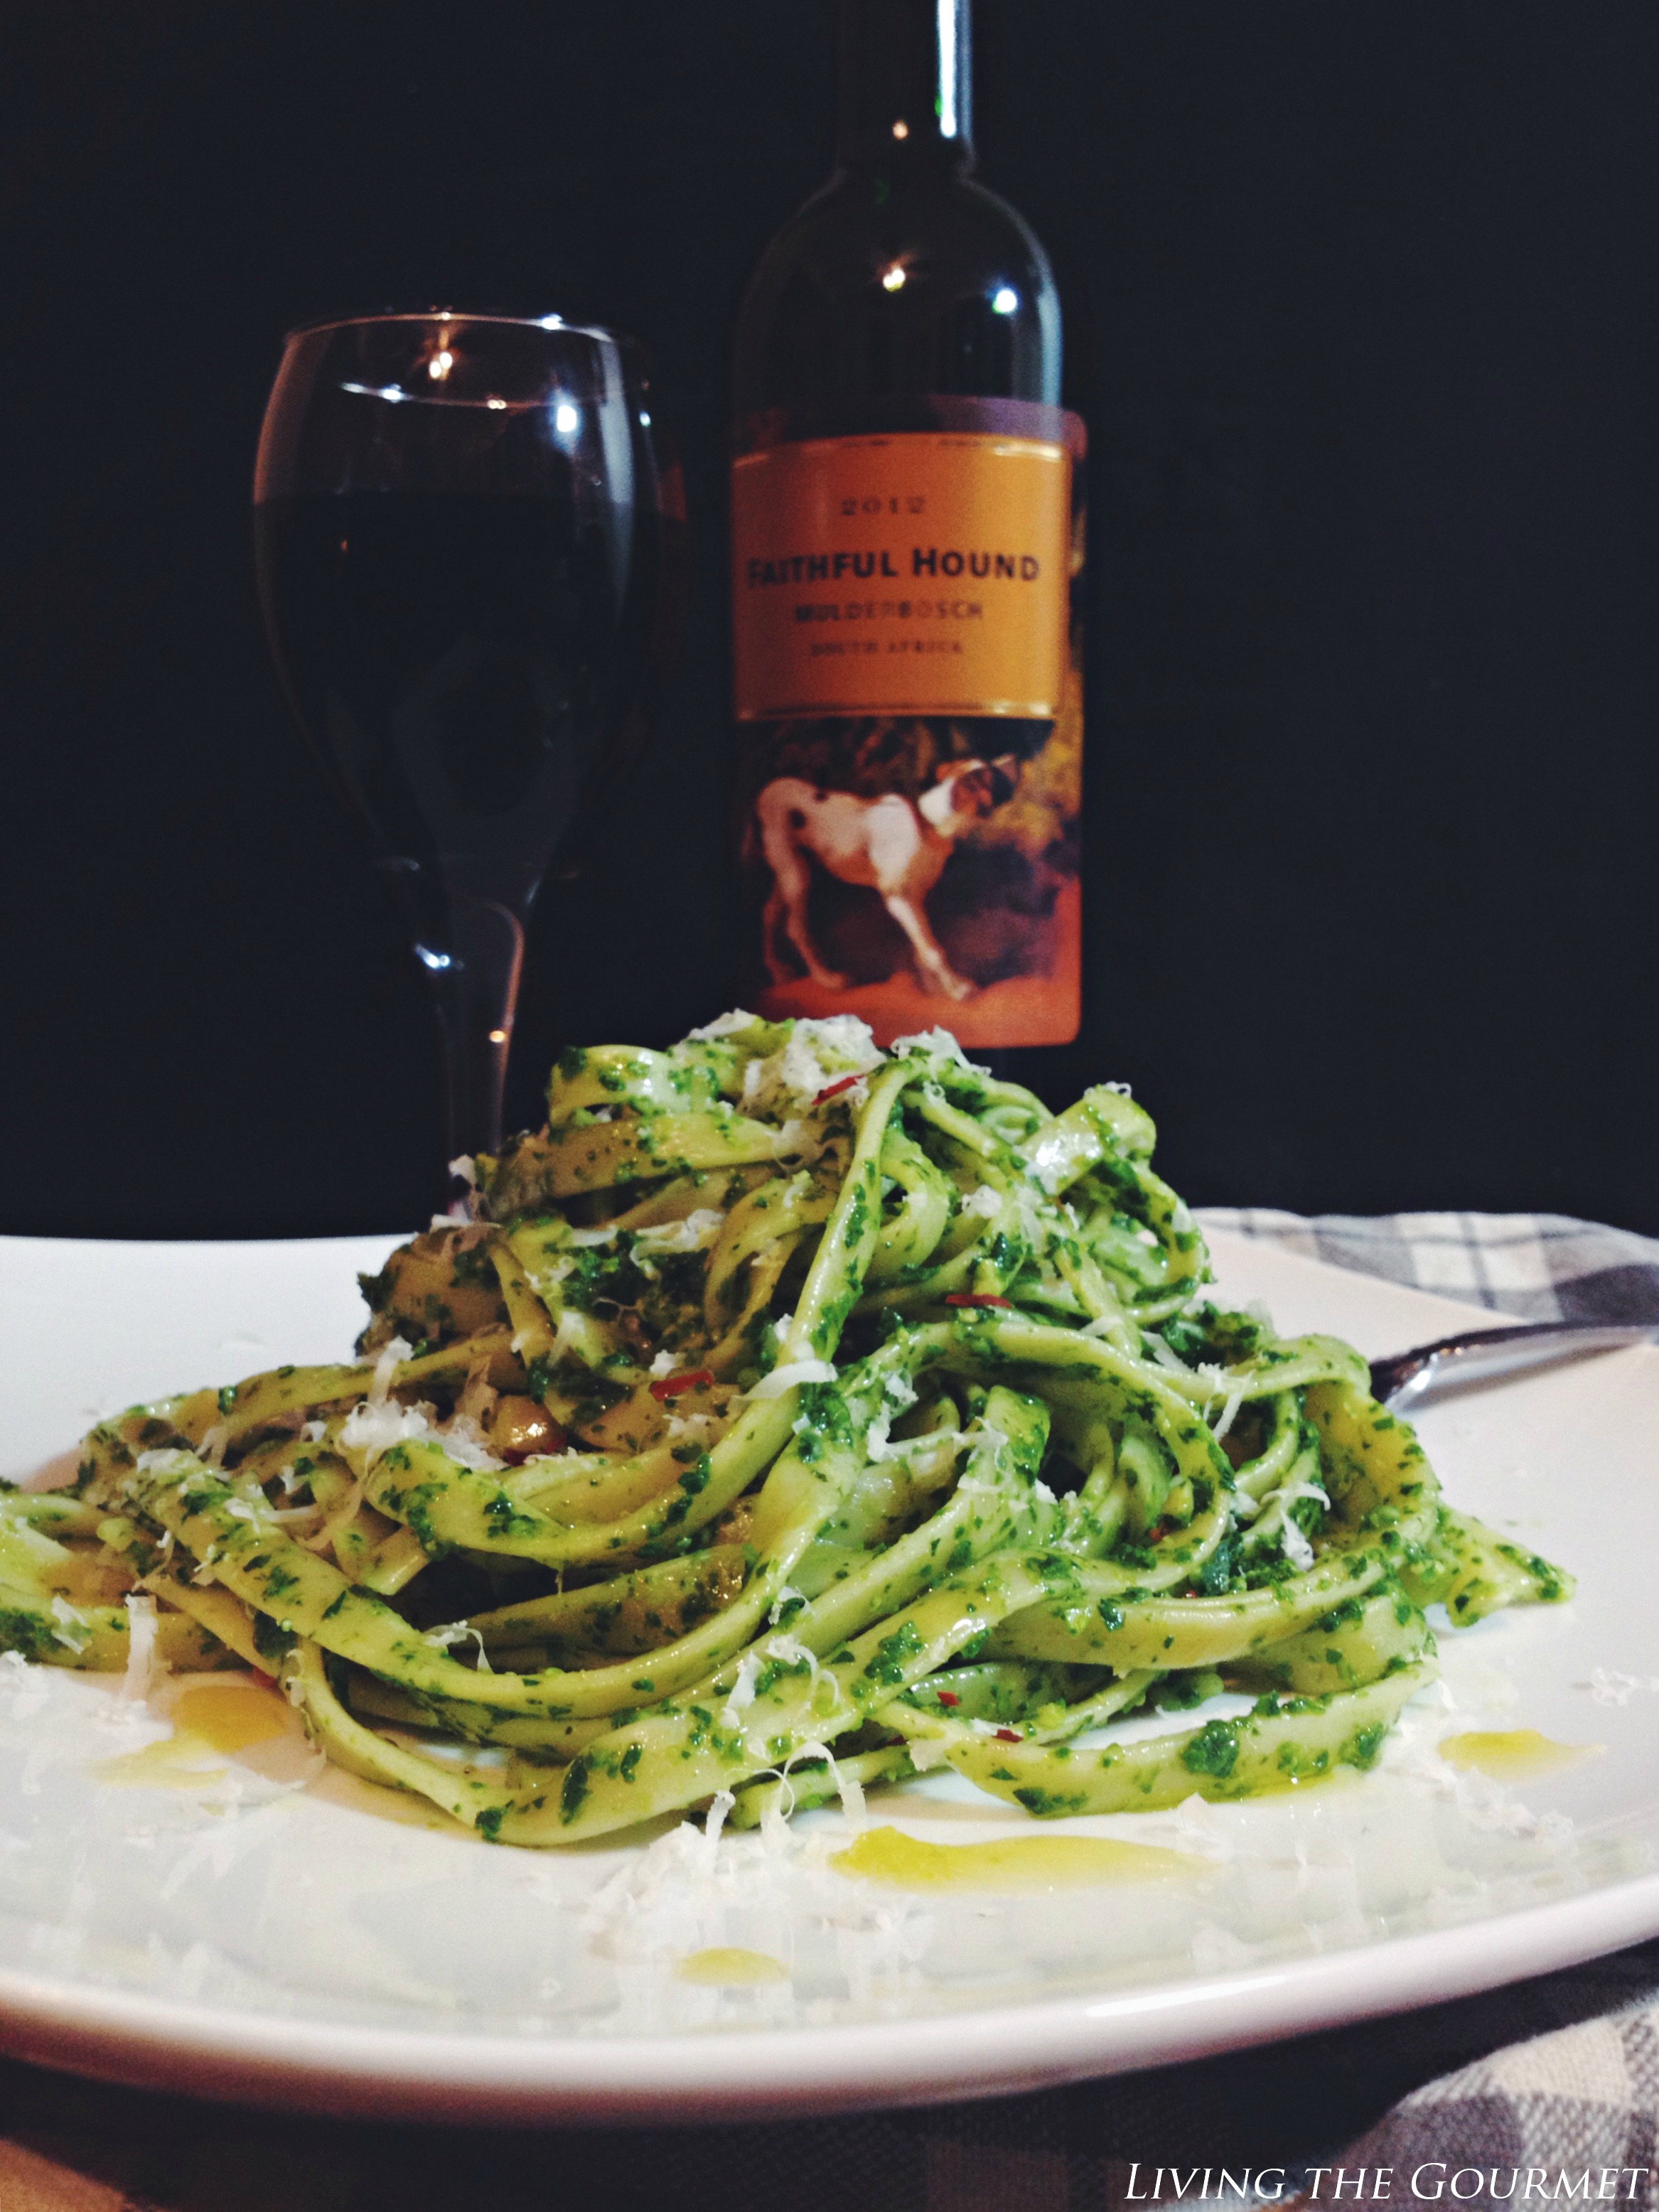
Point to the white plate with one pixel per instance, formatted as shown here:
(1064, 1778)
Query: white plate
(310, 1940)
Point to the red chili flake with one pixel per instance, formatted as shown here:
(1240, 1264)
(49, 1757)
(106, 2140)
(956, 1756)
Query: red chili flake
(949, 1697)
(670, 1386)
(1007, 1735)
(834, 1089)
(975, 1298)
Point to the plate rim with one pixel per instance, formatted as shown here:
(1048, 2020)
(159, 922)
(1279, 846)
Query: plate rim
(274, 2061)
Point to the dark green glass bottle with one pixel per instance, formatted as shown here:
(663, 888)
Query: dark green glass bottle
(906, 532)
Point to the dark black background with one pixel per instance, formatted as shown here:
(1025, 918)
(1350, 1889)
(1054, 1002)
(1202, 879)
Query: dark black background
(1360, 305)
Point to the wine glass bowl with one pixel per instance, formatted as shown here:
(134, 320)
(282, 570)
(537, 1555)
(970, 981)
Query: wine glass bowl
(470, 544)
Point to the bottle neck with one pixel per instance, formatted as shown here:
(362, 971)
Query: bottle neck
(905, 82)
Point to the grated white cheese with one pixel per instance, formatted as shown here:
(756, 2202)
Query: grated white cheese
(937, 1044)
(800, 1141)
(465, 1441)
(723, 1025)
(142, 1655)
(693, 1428)
(848, 1787)
(1036, 1223)
(372, 1430)
(1229, 1414)
(695, 1233)
(71, 1631)
(1295, 1546)
(1293, 1491)
(457, 1631)
(984, 1204)
(386, 1367)
(899, 1391)
(785, 1378)
(777, 1840)
(790, 1651)
(172, 1461)
(663, 1365)
(1161, 1356)
(1292, 1540)
(719, 1805)
(988, 1441)
(815, 1055)
(742, 1691)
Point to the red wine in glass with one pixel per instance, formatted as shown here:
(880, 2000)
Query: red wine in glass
(470, 542)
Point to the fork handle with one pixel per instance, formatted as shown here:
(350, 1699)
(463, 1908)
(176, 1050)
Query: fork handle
(1485, 1355)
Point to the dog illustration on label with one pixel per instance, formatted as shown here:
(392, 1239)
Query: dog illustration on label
(893, 846)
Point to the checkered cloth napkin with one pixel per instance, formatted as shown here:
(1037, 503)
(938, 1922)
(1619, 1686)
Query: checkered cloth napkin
(1537, 1266)
(1558, 2075)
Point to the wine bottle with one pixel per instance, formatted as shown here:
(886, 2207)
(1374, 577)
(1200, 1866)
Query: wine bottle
(906, 551)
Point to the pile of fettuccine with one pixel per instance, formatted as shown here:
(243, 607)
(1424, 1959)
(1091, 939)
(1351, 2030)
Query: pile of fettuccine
(790, 1417)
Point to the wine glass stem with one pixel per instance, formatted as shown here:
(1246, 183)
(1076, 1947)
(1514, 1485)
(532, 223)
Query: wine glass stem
(475, 975)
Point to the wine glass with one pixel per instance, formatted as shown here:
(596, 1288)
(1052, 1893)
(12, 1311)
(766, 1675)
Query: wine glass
(470, 542)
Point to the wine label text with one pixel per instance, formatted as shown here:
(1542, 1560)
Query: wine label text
(995, 514)
(924, 560)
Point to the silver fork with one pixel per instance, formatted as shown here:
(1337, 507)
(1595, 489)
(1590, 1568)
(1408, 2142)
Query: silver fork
(1490, 1355)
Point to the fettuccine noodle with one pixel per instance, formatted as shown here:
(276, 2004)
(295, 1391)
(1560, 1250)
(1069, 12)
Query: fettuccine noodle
(791, 1417)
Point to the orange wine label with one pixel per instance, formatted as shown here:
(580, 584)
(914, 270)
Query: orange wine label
(909, 698)
(921, 573)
